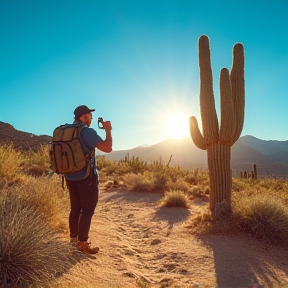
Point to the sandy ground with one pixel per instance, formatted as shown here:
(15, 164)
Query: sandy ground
(142, 245)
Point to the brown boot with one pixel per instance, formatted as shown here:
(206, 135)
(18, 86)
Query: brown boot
(85, 247)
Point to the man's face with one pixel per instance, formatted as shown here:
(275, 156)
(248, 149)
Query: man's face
(87, 119)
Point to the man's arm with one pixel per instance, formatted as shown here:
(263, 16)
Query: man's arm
(106, 145)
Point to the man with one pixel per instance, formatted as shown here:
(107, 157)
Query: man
(83, 190)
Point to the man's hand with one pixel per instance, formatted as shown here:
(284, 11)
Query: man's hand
(107, 125)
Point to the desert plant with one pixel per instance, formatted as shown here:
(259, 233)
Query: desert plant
(139, 182)
(217, 141)
(11, 160)
(180, 184)
(45, 197)
(263, 216)
(37, 163)
(198, 192)
(31, 252)
(175, 198)
(160, 181)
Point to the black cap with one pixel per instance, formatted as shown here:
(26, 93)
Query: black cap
(81, 110)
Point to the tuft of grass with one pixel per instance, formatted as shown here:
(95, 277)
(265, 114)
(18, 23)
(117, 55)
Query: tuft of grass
(31, 253)
(179, 184)
(10, 163)
(37, 163)
(46, 197)
(175, 198)
(258, 208)
(139, 182)
(198, 192)
(263, 216)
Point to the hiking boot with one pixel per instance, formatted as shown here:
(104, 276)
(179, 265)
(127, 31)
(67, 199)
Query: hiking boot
(74, 240)
(85, 247)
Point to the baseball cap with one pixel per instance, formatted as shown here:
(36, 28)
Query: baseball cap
(81, 110)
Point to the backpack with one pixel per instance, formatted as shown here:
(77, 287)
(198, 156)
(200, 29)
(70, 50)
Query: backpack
(66, 153)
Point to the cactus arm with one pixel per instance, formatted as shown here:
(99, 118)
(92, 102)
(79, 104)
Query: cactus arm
(238, 89)
(207, 102)
(196, 135)
(228, 121)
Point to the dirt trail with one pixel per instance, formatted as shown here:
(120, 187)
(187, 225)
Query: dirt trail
(144, 246)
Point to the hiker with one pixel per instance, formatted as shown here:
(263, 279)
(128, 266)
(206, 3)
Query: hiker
(84, 192)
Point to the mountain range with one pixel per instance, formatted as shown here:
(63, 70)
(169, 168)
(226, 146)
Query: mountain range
(271, 157)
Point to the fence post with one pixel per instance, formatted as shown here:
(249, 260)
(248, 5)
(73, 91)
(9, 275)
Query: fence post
(255, 171)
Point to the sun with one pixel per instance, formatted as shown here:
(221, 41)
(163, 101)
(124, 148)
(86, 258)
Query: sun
(177, 125)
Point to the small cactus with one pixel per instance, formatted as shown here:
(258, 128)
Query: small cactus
(218, 141)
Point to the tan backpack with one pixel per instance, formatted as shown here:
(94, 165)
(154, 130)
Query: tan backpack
(66, 154)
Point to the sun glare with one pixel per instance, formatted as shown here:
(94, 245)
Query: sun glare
(177, 125)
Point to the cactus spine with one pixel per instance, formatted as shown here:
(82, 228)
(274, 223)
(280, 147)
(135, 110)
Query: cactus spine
(218, 142)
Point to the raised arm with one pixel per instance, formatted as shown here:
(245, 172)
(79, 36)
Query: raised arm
(106, 145)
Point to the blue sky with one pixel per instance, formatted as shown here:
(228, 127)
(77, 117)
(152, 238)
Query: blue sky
(136, 63)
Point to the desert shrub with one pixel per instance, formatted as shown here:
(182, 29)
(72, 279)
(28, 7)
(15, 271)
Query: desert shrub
(46, 197)
(273, 188)
(263, 216)
(31, 253)
(239, 184)
(175, 198)
(139, 182)
(115, 168)
(102, 162)
(134, 165)
(197, 176)
(37, 163)
(274, 184)
(179, 184)
(160, 181)
(10, 163)
(137, 166)
(203, 218)
(258, 208)
(197, 192)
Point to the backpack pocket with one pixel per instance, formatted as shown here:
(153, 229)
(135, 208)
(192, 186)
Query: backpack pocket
(68, 157)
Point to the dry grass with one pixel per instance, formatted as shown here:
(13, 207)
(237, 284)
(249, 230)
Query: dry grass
(259, 208)
(31, 217)
(31, 252)
(139, 182)
(175, 198)
(10, 164)
(46, 197)
(34, 210)
(37, 162)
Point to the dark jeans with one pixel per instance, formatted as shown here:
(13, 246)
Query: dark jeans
(83, 200)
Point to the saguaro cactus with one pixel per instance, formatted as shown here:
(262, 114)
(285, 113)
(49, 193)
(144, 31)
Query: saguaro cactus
(218, 141)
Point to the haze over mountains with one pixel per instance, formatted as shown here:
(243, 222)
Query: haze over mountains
(271, 157)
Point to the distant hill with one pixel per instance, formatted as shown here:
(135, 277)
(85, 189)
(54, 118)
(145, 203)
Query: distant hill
(187, 155)
(275, 150)
(265, 147)
(271, 157)
(21, 140)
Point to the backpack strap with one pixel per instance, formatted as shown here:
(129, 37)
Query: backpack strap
(89, 155)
